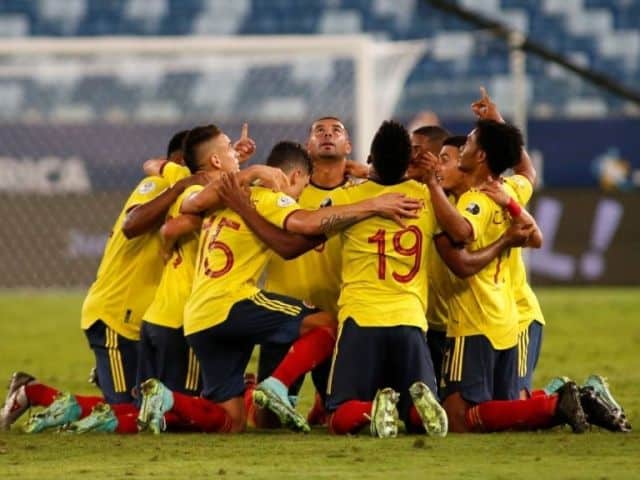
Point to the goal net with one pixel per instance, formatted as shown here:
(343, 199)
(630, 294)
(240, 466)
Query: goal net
(79, 116)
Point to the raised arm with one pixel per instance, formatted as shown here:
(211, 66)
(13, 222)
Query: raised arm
(149, 216)
(485, 108)
(464, 263)
(285, 244)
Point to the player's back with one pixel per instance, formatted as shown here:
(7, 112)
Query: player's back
(129, 271)
(167, 307)
(231, 259)
(384, 274)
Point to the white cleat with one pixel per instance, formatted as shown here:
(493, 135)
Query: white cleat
(16, 402)
(384, 414)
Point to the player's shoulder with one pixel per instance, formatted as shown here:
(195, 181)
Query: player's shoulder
(150, 184)
(268, 196)
(520, 186)
(475, 202)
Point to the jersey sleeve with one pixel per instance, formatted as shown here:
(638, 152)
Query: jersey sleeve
(172, 172)
(522, 188)
(274, 206)
(148, 189)
(475, 207)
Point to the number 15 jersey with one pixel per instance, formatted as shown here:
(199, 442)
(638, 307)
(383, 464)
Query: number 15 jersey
(384, 266)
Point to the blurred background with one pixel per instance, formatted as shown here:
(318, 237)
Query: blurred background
(90, 89)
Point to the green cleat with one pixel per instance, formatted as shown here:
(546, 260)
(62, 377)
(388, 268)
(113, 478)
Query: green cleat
(156, 401)
(101, 419)
(273, 395)
(556, 384)
(384, 414)
(434, 418)
(64, 409)
(600, 385)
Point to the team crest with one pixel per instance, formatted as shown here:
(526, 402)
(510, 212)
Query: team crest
(473, 208)
(285, 201)
(327, 202)
(147, 187)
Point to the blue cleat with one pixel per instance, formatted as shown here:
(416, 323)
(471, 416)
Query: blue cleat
(156, 401)
(64, 409)
(101, 419)
(272, 394)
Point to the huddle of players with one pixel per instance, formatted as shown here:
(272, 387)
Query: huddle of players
(367, 258)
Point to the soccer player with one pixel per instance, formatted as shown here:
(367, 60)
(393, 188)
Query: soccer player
(317, 272)
(382, 308)
(126, 280)
(226, 314)
(481, 356)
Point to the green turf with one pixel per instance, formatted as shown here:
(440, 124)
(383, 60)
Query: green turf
(590, 330)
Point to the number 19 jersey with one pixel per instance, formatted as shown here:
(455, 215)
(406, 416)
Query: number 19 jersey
(384, 266)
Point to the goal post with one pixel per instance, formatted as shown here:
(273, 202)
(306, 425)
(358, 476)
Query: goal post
(81, 114)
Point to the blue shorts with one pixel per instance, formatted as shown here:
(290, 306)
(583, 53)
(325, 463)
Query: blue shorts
(478, 371)
(163, 353)
(367, 359)
(224, 350)
(116, 362)
(437, 342)
(529, 343)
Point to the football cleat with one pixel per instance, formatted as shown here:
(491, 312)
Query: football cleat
(601, 412)
(16, 402)
(101, 419)
(64, 409)
(434, 418)
(156, 401)
(569, 410)
(555, 384)
(600, 385)
(384, 414)
(272, 394)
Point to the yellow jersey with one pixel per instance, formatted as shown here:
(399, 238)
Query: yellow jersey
(315, 275)
(167, 308)
(484, 303)
(231, 259)
(172, 172)
(526, 301)
(129, 271)
(438, 279)
(384, 266)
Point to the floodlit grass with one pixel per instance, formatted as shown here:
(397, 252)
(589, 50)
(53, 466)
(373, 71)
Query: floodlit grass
(589, 330)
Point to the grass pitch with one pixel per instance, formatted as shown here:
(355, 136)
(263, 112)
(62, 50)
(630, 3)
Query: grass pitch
(589, 330)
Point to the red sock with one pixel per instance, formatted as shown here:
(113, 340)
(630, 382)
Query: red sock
(127, 422)
(414, 417)
(39, 394)
(497, 415)
(317, 415)
(537, 393)
(305, 354)
(124, 409)
(203, 413)
(350, 417)
(87, 403)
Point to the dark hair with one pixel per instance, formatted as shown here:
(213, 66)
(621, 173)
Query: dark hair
(391, 152)
(455, 141)
(502, 143)
(432, 132)
(176, 142)
(193, 140)
(287, 155)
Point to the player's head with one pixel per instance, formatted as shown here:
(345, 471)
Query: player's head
(390, 152)
(449, 175)
(497, 145)
(294, 160)
(175, 147)
(208, 148)
(328, 140)
(424, 139)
